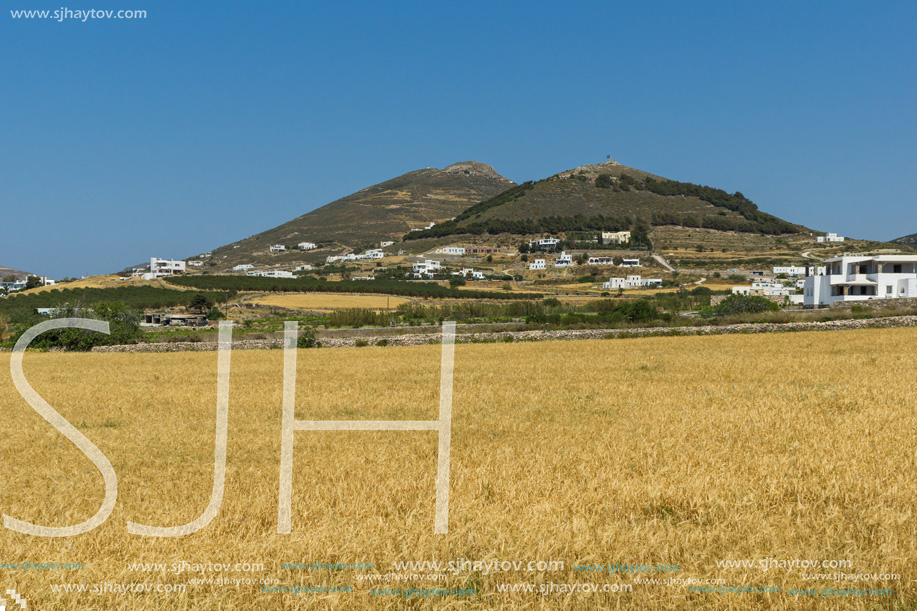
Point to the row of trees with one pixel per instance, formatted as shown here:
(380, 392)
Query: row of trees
(321, 285)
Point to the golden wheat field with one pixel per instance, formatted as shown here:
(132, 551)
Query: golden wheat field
(330, 301)
(677, 452)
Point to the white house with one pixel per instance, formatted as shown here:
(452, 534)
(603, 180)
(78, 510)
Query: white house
(765, 288)
(375, 253)
(601, 260)
(615, 237)
(451, 250)
(545, 243)
(564, 260)
(303, 268)
(631, 282)
(166, 267)
(195, 264)
(831, 237)
(630, 263)
(467, 271)
(537, 264)
(797, 271)
(425, 268)
(859, 278)
(307, 246)
(384, 244)
(244, 267)
(278, 248)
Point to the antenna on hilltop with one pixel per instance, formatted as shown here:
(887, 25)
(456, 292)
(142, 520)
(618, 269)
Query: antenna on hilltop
(608, 157)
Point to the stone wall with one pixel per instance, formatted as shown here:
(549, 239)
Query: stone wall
(877, 304)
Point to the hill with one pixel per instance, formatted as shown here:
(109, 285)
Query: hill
(908, 240)
(5, 272)
(381, 212)
(613, 197)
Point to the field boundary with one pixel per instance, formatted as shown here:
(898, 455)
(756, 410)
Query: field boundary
(541, 335)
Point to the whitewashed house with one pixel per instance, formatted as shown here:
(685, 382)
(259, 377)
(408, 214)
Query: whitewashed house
(860, 278)
(166, 267)
(307, 246)
(537, 264)
(831, 237)
(451, 250)
(303, 268)
(278, 248)
(615, 237)
(545, 243)
(384, 244)
(243, 267)
(797, 270)
(426, 268)
(375, 253)
(564, 260)
(631, 282)
(601, 260)
(630, 263)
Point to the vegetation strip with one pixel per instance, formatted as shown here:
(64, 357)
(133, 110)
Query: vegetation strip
(541, 335)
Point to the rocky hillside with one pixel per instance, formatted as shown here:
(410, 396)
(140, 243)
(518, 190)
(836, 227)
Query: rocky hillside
(385, 211)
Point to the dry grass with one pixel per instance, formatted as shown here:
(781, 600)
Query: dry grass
(330, 301)
(98, 282)
(679, 450)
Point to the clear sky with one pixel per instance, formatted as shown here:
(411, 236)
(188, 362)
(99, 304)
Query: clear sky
(204, 123)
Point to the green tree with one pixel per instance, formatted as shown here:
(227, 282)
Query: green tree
(33, 282)
(200, 303)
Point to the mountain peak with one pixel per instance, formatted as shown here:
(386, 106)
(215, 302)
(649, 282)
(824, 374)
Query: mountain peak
(475, 168)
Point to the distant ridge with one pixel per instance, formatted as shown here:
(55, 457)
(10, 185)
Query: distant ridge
(614, 197)
(387, 210)
(9, 271)
(908, 240)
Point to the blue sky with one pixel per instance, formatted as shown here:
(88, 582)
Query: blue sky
(207, 122)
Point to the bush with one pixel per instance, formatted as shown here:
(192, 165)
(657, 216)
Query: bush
(124, 328)
(551, 302)
(306, 338)
(586, 279)
(360, 343)
(454, 282)
(741, 304)
(215, 314)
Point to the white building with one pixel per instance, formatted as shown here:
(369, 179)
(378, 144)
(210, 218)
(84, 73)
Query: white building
(765, 288)
(537, 264)
(601, 260)
(384, 244)
(243, 267)
(831, 237)
(303, 268)
(564, 260)
(545, 243)
(630, 263)
(859, 278)
(195, 264)
(451, 250)
(467, 271)
(166, 267)
(375, 253)
(271, 273)
(615, 237)
(307, 246)
(278, 248)
(631, 282)
(797, 271)
(425, 268)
